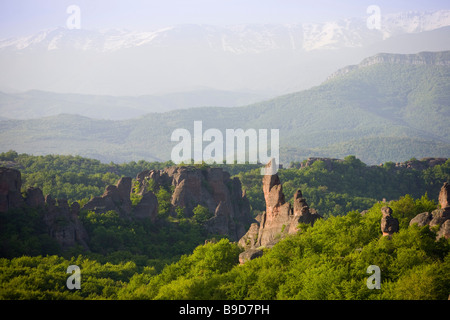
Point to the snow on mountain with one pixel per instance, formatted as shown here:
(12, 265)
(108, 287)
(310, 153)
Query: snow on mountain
(414, 22)
(238, 39)
(104, 40)
(355, 33)
(257, 58)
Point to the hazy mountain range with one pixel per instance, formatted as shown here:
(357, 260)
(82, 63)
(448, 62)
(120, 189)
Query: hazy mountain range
(390, 107)
(261, 60)
(36, 104)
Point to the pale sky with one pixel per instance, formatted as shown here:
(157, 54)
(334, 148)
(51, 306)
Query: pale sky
(25, 17)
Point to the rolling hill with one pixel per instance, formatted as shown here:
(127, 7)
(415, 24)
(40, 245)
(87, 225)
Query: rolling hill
(390, 107)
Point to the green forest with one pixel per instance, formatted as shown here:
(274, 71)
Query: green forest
(174, 258)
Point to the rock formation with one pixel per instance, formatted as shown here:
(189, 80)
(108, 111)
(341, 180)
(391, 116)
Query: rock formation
(439, 217)
(444, 197)
(210, 187)
(444, 230)
(61, 219)
(422, 219)
(279, 219)
(389, 224)
(63, 223)
(302, 212)
(34, 197)
(147, 207)
(10, 184)
(250, 254)
(115, 198)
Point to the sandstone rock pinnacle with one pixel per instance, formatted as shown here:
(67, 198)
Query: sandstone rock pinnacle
(279, 219)
(389, 224)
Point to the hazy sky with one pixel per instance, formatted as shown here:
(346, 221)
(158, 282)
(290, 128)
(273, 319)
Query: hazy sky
(24, 17)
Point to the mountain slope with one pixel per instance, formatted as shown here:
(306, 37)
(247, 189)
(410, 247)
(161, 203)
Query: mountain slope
(389, 108)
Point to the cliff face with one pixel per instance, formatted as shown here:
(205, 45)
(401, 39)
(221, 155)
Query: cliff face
(212, 188)
(61, 219)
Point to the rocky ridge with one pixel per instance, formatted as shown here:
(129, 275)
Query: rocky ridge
(61, 219)
(211, 187)
(421, 58)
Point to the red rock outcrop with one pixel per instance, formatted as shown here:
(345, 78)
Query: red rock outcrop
(63, 223)
(210, 187)
(389, 224)
(444, 196)
(438, 217)
(279, 219)
(61, 219)
(147, 207)
(10, 184)
(115, 198)
(34, 197)
(302, 212)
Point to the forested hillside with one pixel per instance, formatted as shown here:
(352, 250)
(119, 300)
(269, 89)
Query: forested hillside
(168, 258)
(389, 108)
(326, 261)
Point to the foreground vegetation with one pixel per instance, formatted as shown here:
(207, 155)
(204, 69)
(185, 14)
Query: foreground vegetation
(169, 259)
(327, 261)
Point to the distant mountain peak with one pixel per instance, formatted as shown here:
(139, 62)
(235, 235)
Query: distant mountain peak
(238, 39)
(275, 58)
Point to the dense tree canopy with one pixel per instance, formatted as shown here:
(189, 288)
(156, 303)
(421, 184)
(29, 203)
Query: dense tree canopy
(326, 261)
(169, 259)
